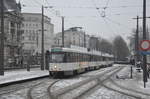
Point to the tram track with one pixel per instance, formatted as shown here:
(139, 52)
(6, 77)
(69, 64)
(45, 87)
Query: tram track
(43, 88)
(121, 92)
(100, 81)
(93, 80)
(116, 88)
(124, 89)
(23, 90)
(80, 89)
(17, 87)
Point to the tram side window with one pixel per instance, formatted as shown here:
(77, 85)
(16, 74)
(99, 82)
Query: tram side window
(68, 57)
(86, 57)
(90, 58)
(83, 57)
(78, 57)
(71, 57)
(100, 58)
(103, 59)
(65, 58)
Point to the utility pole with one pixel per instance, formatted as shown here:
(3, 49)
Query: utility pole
(84, 40)
(137, 40)
(144, 38)
(62, 31)
(2, 40)
(42, 48)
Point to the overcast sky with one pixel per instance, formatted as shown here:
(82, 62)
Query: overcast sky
(105, 18)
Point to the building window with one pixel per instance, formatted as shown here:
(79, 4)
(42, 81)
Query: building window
(33, 31)
(22, 25)
(30, 38)
(22, 37)
(74, 42)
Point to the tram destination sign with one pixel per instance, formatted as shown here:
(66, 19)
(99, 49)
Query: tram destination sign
(56, 49)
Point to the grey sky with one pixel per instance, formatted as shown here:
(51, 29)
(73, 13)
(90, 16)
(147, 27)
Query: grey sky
(117, 21)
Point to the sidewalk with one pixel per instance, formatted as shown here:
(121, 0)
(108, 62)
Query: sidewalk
(133, 86)
(23, 74)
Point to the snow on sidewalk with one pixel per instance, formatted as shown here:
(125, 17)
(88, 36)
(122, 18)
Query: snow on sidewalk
(18, 75)
(135, 85)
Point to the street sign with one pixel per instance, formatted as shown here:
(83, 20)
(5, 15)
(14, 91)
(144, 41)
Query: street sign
(145, 45)
(144, 52)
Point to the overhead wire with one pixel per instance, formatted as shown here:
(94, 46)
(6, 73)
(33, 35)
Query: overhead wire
(29, 4)
(111, 30)
(117, 23)
(107, 3)
(37, 2)
(60, 15)
(103, 17)
(101, 11)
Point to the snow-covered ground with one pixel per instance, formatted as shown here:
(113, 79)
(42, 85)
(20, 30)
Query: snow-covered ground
(68, 82)
(135, 84)
(11, 76)
(79, 90)
(104, 93)
(125, 86)
(64, 83)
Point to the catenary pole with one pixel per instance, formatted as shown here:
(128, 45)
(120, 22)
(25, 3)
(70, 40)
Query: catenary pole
(2, 39)
(137, 40)
(144, 38)
(62, 31)
(84, 40)
(42, 41)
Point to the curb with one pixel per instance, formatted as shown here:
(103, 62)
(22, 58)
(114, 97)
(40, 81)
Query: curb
(22, 81)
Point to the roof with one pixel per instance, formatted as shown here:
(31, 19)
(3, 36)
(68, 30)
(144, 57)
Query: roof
(82, 50)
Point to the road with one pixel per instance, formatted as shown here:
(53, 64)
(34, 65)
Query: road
(98, 84)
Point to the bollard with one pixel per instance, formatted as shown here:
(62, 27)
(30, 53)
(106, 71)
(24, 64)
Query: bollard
(131, 72)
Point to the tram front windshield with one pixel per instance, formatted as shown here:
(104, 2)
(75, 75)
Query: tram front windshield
(57, 58)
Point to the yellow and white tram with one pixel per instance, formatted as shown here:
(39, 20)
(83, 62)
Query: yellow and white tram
(71, 61)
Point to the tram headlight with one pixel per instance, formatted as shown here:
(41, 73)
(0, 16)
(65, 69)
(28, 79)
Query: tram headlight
(55, 67)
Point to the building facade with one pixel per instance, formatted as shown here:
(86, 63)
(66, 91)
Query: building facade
(12, 33)
(32, 33)
(94, 43)
(72, 36)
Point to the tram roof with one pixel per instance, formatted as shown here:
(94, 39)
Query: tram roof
(81, 50)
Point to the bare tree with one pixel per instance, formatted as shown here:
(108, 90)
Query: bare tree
(120, 49)
(105, 46)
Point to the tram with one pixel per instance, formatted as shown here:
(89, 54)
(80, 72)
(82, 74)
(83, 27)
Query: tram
(72, 61)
